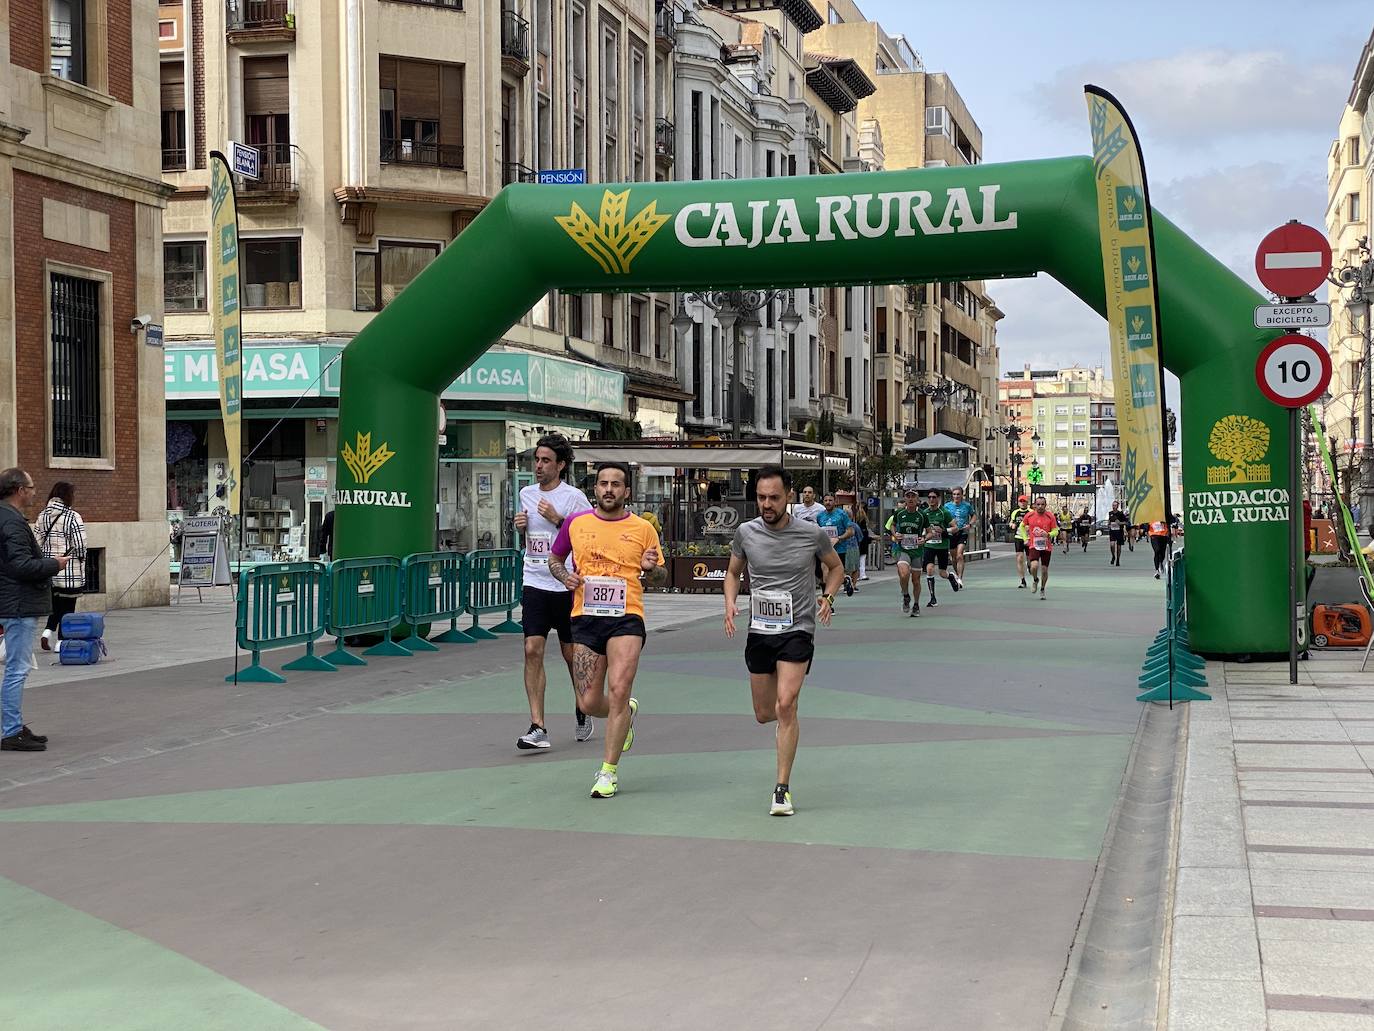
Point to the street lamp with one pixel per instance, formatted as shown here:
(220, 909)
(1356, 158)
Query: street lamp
(1360, 279)
(1013, 432)
(737, 313)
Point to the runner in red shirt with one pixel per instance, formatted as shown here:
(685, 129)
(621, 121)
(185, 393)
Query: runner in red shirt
(1041, 530)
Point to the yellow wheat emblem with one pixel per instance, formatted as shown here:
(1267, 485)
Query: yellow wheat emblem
(362, 461)
(611, 242)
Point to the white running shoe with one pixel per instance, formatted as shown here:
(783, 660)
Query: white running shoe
(605, 785)
(585, 728)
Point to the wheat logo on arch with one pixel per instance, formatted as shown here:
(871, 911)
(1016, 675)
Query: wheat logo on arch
(1240, 441)
(363, 461)
(610, 241)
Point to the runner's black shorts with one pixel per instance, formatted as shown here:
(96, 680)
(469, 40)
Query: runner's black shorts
(595, 631)
(763, 652)
(1117, 536)
(544, 611)
(1020, 545)
(957, 538)
(936, 556)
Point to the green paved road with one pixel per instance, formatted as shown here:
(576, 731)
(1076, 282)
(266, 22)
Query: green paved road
(397, 864)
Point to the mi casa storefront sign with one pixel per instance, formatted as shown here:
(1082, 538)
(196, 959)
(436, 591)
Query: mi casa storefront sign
(289, 370)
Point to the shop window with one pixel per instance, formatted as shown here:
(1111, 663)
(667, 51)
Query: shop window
(75, 375)
(378, 276)
(271, 272)
(183, 276)
(421, 112)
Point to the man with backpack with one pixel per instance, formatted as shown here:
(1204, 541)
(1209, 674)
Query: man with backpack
(25, 600)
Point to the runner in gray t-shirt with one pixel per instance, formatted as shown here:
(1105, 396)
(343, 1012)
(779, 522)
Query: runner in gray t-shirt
(780, 552)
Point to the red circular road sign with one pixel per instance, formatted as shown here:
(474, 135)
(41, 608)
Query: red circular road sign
(1293, 260)
(1293, 370)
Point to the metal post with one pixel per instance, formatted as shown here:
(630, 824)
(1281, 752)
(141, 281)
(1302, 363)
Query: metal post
(1367, 454)
(1295, 549)
(735, 397)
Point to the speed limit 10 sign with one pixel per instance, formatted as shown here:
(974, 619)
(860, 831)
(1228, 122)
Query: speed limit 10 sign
(1293, 370)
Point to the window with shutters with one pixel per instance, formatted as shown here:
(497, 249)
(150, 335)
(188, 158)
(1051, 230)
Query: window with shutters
(421, 112)
(610, 102)
(75, 376)
(267, 118)
(638, 100)
(173, 116)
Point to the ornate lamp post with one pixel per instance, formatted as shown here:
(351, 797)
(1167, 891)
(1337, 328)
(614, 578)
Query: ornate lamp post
(1360, 280)
(737, 314)
(1013, 432)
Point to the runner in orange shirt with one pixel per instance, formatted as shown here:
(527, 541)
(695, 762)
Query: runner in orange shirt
(609, 548)
(1041, 529)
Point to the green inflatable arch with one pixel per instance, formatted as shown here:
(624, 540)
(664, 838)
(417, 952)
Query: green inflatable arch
(978, 222)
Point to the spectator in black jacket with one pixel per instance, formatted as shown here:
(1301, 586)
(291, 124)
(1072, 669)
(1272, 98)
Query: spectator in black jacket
(25, 600)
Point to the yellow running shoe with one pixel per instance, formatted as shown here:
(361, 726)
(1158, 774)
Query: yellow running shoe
(630, 734)
(605, 785)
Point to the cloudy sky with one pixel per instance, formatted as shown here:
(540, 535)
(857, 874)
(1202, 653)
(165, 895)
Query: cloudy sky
(1236, 104)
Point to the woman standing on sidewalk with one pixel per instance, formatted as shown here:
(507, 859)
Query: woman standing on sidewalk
(61, 531)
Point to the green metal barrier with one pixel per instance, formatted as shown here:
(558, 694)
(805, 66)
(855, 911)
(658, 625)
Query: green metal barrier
(1172, 672)
(364, 598)
(494, 581)
(436, 588)
(281, 604)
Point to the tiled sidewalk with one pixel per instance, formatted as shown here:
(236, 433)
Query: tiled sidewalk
(1273, 920)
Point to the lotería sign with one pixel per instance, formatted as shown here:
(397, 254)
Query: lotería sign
(1291, 316)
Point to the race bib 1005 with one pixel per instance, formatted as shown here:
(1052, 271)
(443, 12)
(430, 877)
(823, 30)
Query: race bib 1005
(537, 547)
(770, 612)
(603, 596)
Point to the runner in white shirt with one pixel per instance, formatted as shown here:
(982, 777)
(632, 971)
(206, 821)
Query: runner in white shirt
(810, 509)
(545, 603)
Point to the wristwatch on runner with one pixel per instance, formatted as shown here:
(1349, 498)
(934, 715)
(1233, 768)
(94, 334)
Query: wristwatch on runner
(829, 598)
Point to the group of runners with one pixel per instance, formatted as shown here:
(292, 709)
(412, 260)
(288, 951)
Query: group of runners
(587, 563)
(1036, 530)
(586, 566)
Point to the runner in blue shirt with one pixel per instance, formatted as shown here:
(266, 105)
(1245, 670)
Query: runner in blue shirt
(961, 512)
(843, 533)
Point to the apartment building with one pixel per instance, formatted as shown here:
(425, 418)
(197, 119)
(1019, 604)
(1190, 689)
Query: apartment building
(384, 127)
(81, 203)
(1073, 413)
(1349, 170)
(928, 336)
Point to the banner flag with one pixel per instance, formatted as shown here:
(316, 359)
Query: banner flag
(1128, 267)
(224, 315)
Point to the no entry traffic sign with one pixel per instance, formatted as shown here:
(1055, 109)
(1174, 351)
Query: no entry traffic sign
(1293, 260)
(1293, 370)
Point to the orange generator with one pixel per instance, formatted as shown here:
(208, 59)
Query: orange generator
(1340, 626)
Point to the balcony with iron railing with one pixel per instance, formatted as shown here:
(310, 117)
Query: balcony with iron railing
(515, 172)
(515, 43)
(422, 152)
(277, 181)
(61, 34)
(259, 20)
(665, 26)
(174, 159)
(665, 142)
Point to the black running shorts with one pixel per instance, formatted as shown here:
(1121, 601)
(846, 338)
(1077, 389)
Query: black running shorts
(763, 652)
(544, 611)
(1020, 545)
(936, 556)
(595, 631)
(958, 539)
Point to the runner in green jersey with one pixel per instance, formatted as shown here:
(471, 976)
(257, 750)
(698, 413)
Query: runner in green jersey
(906, 529)
(938, 524)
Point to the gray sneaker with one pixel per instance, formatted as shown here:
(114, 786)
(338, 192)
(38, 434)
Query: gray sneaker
(585, 727)
(535, 737)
